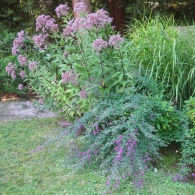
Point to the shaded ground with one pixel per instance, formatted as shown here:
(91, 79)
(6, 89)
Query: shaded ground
(17, 109)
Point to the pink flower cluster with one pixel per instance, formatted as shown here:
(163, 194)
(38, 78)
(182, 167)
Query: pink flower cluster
(28, 103)
(39, 40)
(83, 93)
(115, 40)
(22, 59)
(92, 21)
(20, 86)
(99, 44)
(22, 74)
(41, 100)
(68, 30)
(69, 77)
(65, 54)
(62, 10)
(97, 20)
(79, 7)
(45, 23)
(18, 43)
(9, 68)
(32, 66)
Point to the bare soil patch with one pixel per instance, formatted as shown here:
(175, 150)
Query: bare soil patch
(17, 109)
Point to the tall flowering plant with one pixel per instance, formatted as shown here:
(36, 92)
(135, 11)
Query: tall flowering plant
(73, 62)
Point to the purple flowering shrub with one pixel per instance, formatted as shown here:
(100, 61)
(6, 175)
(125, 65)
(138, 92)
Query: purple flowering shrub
(118, 137)
(71, 63)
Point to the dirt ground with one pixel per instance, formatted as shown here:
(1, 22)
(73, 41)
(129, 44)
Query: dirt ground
(17, 109)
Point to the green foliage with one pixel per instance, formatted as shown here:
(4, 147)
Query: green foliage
(7, 83)
(188, 144)
(165, 54)
(6, 40)
(170, 123)
(190, 108)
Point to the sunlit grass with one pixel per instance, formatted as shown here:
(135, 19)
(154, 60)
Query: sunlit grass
(32, 162)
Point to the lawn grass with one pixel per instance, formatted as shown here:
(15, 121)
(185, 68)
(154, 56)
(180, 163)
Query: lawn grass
(30, 163)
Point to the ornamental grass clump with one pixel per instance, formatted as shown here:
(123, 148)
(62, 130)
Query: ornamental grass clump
(164, 52)
(118, 137)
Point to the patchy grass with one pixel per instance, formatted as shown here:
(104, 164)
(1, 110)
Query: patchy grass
(31, 163)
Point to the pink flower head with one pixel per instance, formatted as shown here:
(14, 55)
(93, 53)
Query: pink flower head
(20, 86)
(13, 74)
(62, 10)
(41, 100)
(28, 103)
(39, 40)
(32, 66)
(45, 23)
(18, 42)
(68, 30)
(21, 33)
(78, 24)
(115, 40)
(83, 93)
(22, 74)
(69, 77)
(65, 54)
(15, 50)
(99, 44)
(97, 20)
(79, 7)
(9, 68)
(22, 59)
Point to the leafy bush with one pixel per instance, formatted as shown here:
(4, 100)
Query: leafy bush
(119, 135)
(73, 64)
(188, 144)
(171, 123)
(165, 54)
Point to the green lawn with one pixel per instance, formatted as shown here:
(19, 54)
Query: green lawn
(30, 163)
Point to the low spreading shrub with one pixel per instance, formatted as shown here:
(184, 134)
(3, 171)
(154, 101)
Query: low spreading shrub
(120, 135)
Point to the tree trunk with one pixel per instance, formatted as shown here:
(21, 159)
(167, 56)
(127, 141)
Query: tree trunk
(86, 2)
(117, 11)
